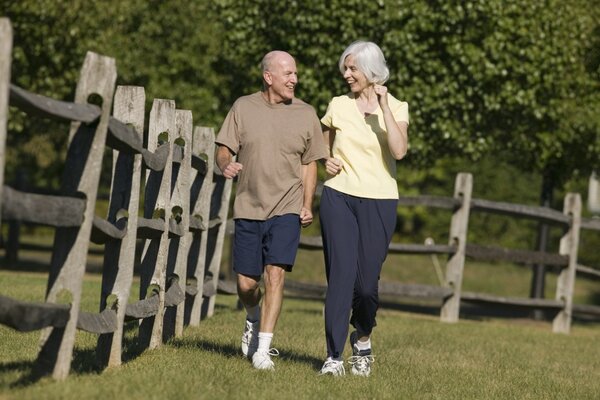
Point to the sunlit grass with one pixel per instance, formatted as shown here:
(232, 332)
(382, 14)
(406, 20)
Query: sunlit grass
(417, 357)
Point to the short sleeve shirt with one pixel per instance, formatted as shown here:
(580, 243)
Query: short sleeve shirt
(271, 141)
(361, 143)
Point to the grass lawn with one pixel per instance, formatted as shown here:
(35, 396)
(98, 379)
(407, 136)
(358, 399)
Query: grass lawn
(417, 357)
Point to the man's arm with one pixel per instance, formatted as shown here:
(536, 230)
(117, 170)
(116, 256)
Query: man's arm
(224, 158)
(309, 182)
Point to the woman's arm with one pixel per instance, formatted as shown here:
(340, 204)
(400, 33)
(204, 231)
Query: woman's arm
(397, 131)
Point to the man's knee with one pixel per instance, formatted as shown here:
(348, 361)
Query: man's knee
(274, 275)
(247, 284)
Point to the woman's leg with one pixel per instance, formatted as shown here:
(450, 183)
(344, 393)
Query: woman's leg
(376, 224)
(340, 243)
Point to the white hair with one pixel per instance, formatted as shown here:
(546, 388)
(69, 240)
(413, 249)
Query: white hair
(369, 59)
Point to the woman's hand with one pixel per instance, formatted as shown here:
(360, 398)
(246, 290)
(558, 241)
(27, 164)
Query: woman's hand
(381, 92)
(333, 166)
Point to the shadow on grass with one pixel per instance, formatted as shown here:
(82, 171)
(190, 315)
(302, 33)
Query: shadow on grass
(40, 263)
(29, 265)
(231, 351)
(84, 361)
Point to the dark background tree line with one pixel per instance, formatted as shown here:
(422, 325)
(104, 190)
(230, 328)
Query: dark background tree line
(506, 89)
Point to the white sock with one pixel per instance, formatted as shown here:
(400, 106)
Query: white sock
(360, 345)
(264, 341)
(253, 313)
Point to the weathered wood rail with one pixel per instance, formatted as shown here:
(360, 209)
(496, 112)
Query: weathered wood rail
(182, 209)
(450, 294)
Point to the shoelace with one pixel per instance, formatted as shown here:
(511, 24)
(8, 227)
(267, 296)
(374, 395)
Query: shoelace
(332, 363)
(361, 362)
(273, 352)
(333, 366)
(266, 361)
(247, 334)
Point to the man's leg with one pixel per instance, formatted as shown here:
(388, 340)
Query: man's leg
(271, 307)
(248, 290)
(279, 249)
(250, 294)
(247, 261)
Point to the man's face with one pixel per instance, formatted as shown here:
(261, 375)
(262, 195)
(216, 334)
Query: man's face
(282, 78)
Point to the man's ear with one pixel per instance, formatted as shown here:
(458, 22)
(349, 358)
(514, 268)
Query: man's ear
(268, 77)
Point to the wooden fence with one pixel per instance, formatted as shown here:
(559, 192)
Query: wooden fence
(184, 205)
(180, 225)
(450, 293)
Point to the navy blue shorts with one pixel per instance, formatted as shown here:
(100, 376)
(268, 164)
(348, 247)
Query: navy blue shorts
(271, 242)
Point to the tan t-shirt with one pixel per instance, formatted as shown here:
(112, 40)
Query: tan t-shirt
(361, 143)
(271, 141)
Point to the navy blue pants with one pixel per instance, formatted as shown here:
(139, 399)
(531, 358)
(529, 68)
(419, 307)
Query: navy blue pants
(356, 235)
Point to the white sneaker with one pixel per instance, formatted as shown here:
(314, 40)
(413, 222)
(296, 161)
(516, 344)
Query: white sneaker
(250, 338)
(360, 360)
(361, 364)
(333, 367)
(262, 359)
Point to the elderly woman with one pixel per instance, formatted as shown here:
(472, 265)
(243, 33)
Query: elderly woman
(367, 131)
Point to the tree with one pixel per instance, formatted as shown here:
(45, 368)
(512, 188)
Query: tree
(497, 79)
(506, 79)
(167, 47)
(481, 76)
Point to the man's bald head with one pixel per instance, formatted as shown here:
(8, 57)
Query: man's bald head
(273, 58)
(279, 76)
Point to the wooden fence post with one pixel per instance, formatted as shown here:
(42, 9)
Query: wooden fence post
(180, 205)
(157, 200)
(81, 177)
(6, 41)
(593, 197)
(119, 255)
(569, 245)
(202, 184)
(458, 237)
(216, 238)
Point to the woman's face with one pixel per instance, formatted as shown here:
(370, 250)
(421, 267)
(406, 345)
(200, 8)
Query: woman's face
(355, 77)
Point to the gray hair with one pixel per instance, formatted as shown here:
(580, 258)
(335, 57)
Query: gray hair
(369, 60)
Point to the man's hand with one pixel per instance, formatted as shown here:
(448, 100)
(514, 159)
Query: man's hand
(226, 163)
(232, 169)
(306, 217)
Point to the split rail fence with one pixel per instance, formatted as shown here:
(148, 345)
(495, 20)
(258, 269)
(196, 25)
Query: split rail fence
(449, 293)
(183, 206)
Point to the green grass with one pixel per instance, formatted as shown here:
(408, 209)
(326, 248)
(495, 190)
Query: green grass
(417, 357)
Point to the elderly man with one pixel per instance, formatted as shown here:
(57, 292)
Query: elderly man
(277, 139)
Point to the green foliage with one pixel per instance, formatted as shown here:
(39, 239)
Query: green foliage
(507, 90)
(505, 84)
(481, 77)
(519, 79)
(167, 47)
